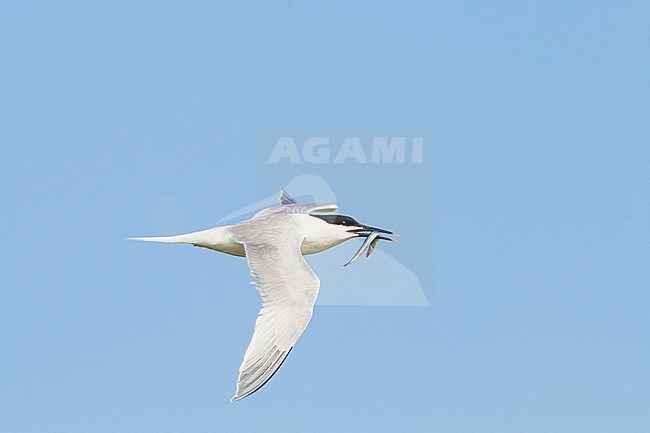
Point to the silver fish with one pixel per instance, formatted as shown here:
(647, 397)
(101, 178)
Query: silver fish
(372, 246)
(366, 244)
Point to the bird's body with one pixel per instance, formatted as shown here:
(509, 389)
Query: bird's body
(273, 242)
(318, 234)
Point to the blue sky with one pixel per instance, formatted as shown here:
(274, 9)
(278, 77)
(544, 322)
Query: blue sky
(124, 119)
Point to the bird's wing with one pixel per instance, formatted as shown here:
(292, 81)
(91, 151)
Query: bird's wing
(288, 288)
(296, 208)
(285, 198)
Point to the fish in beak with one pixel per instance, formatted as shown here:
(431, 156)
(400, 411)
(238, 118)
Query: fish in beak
(373, 235)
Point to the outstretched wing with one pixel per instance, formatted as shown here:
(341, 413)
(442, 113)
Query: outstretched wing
(288, 288)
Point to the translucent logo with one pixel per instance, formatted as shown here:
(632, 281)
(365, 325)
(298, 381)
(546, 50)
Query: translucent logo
(381, 176)
(321, 150)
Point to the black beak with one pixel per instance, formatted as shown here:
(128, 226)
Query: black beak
(366, 230)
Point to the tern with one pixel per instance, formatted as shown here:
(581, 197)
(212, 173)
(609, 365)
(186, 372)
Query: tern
(274, 242)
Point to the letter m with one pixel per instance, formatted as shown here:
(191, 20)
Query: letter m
(387, 152)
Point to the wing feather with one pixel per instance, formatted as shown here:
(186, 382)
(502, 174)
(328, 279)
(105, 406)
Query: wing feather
(296, 208)
(288, 289)
(285, 197)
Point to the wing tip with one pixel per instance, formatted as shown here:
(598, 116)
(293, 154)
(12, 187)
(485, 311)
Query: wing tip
(327, 207)
(237, 396)
(286, 198)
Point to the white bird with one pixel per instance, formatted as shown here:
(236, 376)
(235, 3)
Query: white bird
(274, 242)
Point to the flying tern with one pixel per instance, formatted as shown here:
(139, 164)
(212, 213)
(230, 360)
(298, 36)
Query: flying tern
(274, 242)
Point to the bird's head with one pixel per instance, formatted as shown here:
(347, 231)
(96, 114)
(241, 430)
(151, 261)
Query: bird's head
(353, 227)
(347, 227)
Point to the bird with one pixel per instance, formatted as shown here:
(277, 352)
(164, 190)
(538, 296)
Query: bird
(274, 242)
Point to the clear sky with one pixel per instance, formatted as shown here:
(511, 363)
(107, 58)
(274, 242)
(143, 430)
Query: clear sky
(121, 119)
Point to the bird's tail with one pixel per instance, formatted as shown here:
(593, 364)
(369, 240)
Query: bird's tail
(188, 238)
